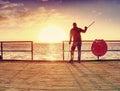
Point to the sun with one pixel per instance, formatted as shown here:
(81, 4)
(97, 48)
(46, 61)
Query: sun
(52, 34)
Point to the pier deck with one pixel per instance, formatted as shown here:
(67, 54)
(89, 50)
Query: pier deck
(60, 76)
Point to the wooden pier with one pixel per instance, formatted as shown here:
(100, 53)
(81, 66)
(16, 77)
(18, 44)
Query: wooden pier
(59, 76)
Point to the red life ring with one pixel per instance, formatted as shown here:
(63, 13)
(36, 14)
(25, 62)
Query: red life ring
(99, 47)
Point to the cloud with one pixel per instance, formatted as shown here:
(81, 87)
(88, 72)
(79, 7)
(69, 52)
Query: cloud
(40, 17)
(44, 0)
(10, 9)
(3, 2)
(7, 4)
(9, 13)
(2, 18)
(18, 17)
(25, 18)
(10, 5)
(4, 21)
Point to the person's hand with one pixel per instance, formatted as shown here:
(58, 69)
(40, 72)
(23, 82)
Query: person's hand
(69, 42)
(86, 27)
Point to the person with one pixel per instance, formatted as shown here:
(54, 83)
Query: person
(75, 38)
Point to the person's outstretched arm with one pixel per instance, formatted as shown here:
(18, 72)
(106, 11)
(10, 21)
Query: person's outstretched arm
(84, 30)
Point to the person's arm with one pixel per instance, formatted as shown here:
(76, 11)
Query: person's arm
(70, 37)
(84, 30)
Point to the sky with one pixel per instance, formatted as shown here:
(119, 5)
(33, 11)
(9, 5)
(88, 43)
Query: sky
(51, 20)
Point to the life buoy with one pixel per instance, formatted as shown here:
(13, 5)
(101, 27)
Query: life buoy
(99, 47)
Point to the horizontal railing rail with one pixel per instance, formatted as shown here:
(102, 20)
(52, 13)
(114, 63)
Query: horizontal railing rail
(17, 51)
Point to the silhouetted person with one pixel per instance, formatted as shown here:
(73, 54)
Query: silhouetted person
(75, 36)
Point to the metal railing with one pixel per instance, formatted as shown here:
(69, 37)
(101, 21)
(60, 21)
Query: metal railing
(110, 43)
(15, 47)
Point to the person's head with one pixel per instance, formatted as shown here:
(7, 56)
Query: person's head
(74, 24)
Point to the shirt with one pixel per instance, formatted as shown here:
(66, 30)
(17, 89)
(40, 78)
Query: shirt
(75, 33)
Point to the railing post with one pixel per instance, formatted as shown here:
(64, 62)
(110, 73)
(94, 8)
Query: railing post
(63, 50)
(31, 50)
(1, 56)
(98, 58)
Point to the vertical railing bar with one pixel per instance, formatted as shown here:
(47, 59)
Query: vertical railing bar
(63, 50)
(31, 50)
(2, 50)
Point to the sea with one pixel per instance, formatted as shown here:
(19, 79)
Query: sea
(54, 51)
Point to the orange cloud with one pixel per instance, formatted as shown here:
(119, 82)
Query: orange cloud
(2, 18)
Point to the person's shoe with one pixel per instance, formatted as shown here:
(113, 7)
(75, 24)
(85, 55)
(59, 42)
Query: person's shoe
(71, 61)
(79, 60)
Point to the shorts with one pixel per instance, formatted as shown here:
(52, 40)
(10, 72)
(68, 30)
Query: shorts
(76, 44)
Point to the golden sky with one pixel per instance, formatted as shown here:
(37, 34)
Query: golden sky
(51, 20)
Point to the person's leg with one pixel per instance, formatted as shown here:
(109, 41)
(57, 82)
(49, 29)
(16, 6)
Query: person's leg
(72, 52)
(79, 51)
